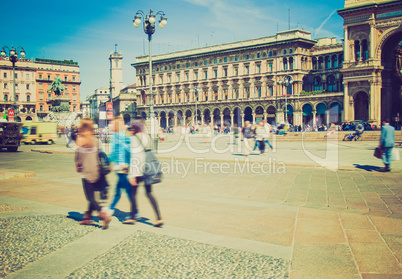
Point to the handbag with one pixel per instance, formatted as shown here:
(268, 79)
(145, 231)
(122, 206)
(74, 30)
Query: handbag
(395, 154)
(378, 152)
(152, 168)
(104, 164)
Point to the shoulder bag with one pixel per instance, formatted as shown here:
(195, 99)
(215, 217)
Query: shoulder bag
(152, 168)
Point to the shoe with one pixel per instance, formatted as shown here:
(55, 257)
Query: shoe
(137, 217)
(87, 219)
(158, 224)
(106, 218)
(129, 222)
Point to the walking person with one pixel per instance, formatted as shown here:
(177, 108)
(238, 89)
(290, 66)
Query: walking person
(235, 131)
(248, 137)
(267, 129)
(139, 141)
(87, 163)
(120, 157)
(387, 142)
(260, 134)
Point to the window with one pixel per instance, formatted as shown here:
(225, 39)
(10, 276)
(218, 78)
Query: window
(27, 86)
(49, 95)
(74, 97)
(291, 63)
(65, 78)
(259, 92)
(187, 77)
(178, 66)
(48, 77)
(284, 52)
(170, 67)
(247, 57)
(205, 62)
(236, 71)
(225, 59)
(270, 67)
(116, 64)
(317, 84)
(6, 97)
(270, 91)
(5, 75)
(196, 64)
(290, 51)
(40, 96)
(258, 68)
(34, 132)
(186, 65)
(236, 58)
(196, 75)
(247, 70)
(73, 87)
(178, 77)
(28, 98)
(205, 74)
(334, 61)
(331, 84)
(27, 76)
(327, 62)
(170, 78)
(285, 64)
(270, 54)
(5, 85)
(216, 73)
(16, 75)
(225, 71)
(357, 50)
(258, 55)
(215, 61)
(40, 86)
(365, 54)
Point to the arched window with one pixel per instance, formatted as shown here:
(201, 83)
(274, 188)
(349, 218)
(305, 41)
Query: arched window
(334, 61)
(320, 62)
(314, 61)
(357, 50)
(331, 84)
(270, 54)
(285, 64)
(28, 98)
(6, 97)
(291, 63)
(327, 62)
(365, 54)
(340, 60)
(317, 84)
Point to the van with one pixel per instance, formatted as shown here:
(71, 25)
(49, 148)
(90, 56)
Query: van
(43, 132)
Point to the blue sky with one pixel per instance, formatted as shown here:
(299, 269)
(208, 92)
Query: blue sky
(86, 31)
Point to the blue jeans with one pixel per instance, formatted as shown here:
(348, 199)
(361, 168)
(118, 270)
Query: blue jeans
(267, 142)
(386, 156)
(122, 183)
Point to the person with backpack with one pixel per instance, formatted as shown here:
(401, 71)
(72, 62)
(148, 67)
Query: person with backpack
(139, 142)
(87, 163)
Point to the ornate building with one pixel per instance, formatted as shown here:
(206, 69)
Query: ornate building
(32, 81)
(330, 82)
(372, 67)
(235, 82)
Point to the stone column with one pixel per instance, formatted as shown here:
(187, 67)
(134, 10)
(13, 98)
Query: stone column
(231, 118)
(242, 119)
(175, 120)
(314, 118)
(346, 48)
(221, 119)
(254, 117)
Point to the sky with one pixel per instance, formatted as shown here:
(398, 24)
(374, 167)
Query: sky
(87, 31)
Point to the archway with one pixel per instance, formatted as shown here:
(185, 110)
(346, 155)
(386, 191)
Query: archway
(188, 116)
(226, 117)
(259, 114)
(248, 114)
(144, 115)
(321, 114)
(307, 115)
(271, 117)
(217, 117)
(163, 120)
(289, 112)
(237, 116)
(391, 94)
(361, 106)
(171, 118)
(335, 113)
(180, 121)
(28, 118)
(207, 116)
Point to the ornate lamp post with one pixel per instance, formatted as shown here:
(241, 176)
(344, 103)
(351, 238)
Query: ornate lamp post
(149, 29)
(286, 82)
(13, 57)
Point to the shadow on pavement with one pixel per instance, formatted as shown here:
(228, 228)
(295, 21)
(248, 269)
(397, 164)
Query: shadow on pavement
(76, 216)
(368, 168)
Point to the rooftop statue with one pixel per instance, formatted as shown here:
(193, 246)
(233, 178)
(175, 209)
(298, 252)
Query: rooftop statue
(57, 87)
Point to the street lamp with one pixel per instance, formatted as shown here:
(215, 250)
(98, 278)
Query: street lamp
(149, 29)
(13, 57)
(286, 82)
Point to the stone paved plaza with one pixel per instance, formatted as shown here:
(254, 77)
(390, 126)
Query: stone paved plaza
(312, 209)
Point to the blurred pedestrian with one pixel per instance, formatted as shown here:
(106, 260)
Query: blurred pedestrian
(260, 134)
(87, 163)
(120, 157)
(387, 142)
(140, 141)
(248, 137)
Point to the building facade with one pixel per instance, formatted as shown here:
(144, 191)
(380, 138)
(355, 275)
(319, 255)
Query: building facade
(32, 82)
(116, 73)
(99, 97)
(358, 80)
(236, 82)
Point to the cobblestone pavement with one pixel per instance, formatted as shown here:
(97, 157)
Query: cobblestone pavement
(286, 213)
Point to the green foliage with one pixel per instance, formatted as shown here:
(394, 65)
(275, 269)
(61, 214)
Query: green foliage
(311, 92)
(61, 108)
